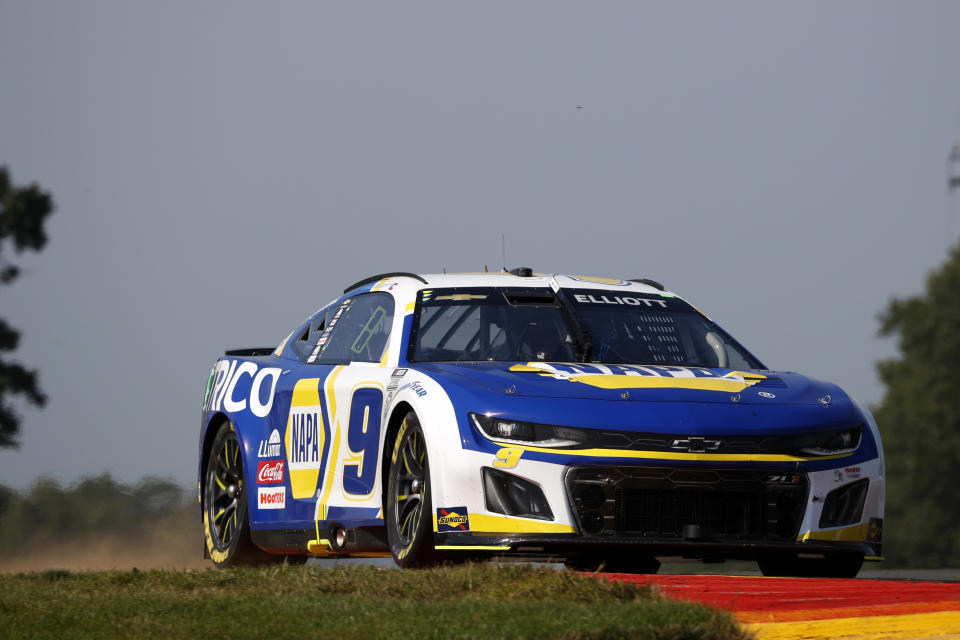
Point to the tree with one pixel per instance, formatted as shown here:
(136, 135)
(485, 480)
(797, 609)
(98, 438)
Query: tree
(919, 420)
(23, 211)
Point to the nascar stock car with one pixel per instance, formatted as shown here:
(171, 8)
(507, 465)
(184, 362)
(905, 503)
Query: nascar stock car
(602, 423)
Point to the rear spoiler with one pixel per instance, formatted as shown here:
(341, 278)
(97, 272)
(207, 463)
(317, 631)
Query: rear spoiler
(246, 353)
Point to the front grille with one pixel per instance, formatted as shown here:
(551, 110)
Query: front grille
(699, 504)
(784, 444)
(665, 513)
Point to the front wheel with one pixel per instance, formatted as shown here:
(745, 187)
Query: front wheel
(226, 522)
(409, 512)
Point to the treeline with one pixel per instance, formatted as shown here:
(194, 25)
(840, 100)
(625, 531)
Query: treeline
(50, 513)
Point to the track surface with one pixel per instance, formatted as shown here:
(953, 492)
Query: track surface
(805, 608)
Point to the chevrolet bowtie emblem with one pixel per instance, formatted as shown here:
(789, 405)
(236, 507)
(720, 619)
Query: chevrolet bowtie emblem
(696, 444)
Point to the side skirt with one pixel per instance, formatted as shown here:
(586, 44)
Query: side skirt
(359, 541)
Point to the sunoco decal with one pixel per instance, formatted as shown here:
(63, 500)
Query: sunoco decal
(453, 519)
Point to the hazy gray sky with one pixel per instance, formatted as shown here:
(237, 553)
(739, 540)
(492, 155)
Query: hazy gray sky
(222, 169)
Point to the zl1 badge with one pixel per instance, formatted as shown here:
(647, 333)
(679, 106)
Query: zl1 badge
(452, 519)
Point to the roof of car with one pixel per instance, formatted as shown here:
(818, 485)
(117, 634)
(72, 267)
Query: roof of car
(507, 279)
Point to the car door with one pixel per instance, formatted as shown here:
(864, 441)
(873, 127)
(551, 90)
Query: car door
(294, 445)
(326, 422)
(354, 396)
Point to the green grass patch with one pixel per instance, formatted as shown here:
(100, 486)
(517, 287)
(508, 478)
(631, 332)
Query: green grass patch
(468, 601)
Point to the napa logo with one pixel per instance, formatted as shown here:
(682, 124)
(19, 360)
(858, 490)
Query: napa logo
(453, 519)
(626, 376)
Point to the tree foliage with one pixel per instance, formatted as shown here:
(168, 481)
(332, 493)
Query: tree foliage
(97, 505)
(23, 212)
(919, 419)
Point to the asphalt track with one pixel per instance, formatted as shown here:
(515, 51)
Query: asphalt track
(807, 608)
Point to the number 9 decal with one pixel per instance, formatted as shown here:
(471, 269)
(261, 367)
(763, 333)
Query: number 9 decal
(363, 442)
(508, 457)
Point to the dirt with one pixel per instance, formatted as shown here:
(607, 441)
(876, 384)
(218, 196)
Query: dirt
(179, 547)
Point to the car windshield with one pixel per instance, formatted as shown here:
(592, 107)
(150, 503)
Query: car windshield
(525, 325)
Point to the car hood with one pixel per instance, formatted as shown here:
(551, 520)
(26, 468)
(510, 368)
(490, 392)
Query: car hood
(640, 383)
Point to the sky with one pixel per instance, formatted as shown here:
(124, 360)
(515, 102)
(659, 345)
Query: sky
(222, 169)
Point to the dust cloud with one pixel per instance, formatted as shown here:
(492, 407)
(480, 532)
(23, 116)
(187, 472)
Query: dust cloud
(175, 543)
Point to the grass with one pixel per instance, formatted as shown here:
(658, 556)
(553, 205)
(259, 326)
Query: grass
(467, 601)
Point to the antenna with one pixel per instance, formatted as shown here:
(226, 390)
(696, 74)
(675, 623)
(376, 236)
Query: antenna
(953, 167)
(503, 250)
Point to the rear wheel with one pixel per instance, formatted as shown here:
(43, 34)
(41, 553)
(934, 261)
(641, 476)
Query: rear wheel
(226, 522)
(836, 566)
(409, 513)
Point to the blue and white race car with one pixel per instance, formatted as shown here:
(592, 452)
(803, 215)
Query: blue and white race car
(599, 422)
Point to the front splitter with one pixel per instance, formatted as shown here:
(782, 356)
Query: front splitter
(554, 546)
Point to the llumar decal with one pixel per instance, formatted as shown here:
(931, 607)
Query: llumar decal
(643, 377)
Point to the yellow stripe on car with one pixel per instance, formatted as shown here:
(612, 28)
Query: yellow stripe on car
(856, 533)
(672, 455)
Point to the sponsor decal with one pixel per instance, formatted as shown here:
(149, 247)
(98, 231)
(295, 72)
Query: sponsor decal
(271, 497)
(767, 394)
(324, 337)
(270, 471)
(270, 448)
(398, 373)
(453, 519)
(417, 389)
(852, 472)
(838, 475)
(627, 376)
(305, 439)
(226, 378)
(875, 530)
(625, 300)
(303, 449)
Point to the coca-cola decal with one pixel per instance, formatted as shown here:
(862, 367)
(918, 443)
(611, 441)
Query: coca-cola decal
(270, 472)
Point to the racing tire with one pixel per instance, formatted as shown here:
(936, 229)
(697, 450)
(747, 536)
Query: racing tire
(226, 521)
(591, 564)
(409, 510)
(837, 566)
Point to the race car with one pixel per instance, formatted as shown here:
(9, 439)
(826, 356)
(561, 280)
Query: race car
(599, 422)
